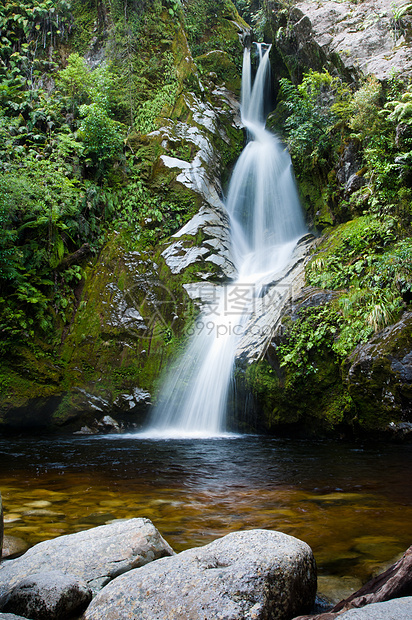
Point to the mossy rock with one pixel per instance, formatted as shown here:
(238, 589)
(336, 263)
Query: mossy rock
(221, 66)
(379, 376)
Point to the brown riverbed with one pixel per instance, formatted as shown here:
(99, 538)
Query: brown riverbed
(351, 504)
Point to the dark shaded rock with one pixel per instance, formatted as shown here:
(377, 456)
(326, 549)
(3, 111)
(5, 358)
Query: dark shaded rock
(35, 415)
(354, 183)
(94, 556)
(400, 430)
(108, 425)
(127, 402)
(403, 135)
(76, 257)
(379, 375)
(1, 527)
(255, 574)
(48, 596)
(296, 44)
(348, 167)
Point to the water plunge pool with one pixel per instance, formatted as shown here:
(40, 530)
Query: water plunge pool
(351, 503)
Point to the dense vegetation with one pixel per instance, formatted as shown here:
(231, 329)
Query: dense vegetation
(72, 158)
(368, 258)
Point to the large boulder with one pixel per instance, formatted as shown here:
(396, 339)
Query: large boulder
(255, 574)
(94, 556)
(47, 596)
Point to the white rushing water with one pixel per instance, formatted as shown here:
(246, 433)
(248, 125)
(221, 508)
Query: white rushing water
(266, 222)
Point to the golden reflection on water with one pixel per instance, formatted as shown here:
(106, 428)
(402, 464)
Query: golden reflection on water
(353, 506)
(351, 534)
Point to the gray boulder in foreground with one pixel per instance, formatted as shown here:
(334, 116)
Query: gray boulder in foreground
(251, 575)
(94, 556)
(48, 596)
(11, 617)
(396, 609)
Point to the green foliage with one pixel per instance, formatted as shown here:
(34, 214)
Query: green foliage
(101, 135)
(174, 6)
(28, 28)
(402, 108)
(375, 272)
(364, 109)
(205, 22)
(313, 110)
(150, 110)
(313, 333)
(75, 81)
(149, 217)
(350, 250)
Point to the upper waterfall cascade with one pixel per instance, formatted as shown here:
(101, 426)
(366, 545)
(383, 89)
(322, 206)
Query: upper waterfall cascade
(266, 223)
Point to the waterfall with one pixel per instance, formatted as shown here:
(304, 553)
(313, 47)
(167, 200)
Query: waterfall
(266, 222)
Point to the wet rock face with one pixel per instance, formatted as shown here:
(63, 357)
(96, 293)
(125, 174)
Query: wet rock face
(256, 574)
(205, 240)
(353, 38)
(379, 374)
(270, 307)
(212, 223)
(348, 169)
(366, 35)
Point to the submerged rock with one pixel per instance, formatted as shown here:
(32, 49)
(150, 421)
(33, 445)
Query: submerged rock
(94, 556)
(13, 546)
(256, 574)
(47, 596)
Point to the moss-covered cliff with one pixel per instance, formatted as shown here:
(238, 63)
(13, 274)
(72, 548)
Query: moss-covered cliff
(98, 123)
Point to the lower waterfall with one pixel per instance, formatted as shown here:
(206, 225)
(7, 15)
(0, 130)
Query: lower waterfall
(266, 223)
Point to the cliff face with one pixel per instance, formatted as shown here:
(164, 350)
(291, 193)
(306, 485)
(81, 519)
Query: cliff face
(178, 78)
